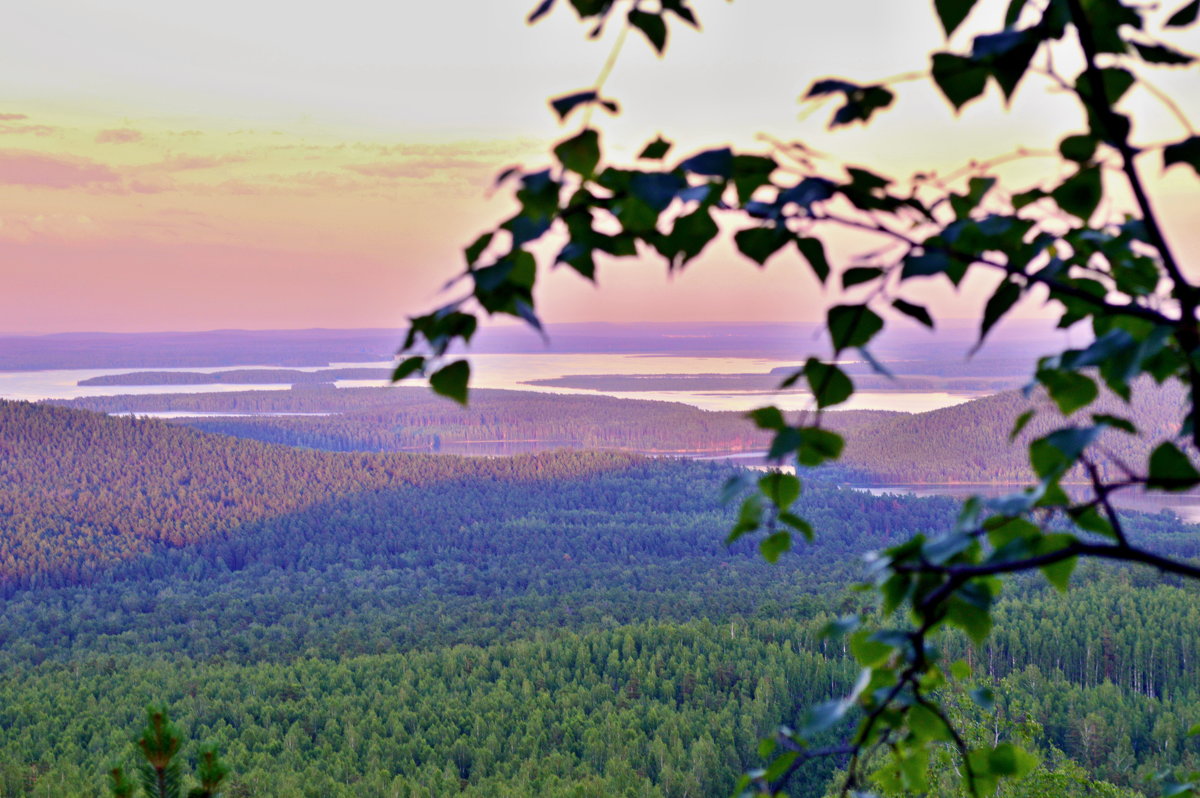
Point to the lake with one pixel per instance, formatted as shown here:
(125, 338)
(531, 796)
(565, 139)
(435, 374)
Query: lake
(510, 372)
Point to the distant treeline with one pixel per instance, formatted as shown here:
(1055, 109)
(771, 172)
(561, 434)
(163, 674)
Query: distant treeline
(770, 383)
(240, 377)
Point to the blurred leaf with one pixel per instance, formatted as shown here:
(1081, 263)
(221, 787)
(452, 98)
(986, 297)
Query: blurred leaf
(1079, 195)
(1070, 390)
(581, 153)
(859, 275)
(652, 26)
(814, 252)
(852, 325)
(782, 489)
(567, 103)
(656, 150)
(1170, 469)
(451, 381)
(767, 418)
(760, 243)
(829, 384)
(774, 545)
(1079, 148)
(710, 163)
(408, 366)
(961, 79)
(1000, 303)
(917, 312)
(1185, 16)
(1161, 54)
(1020, 423)
(1186, 151)
(951, 13)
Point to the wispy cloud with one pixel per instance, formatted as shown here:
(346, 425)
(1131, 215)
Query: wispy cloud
(27, 130)
(12, 117)
(27, 168)
(119, 136)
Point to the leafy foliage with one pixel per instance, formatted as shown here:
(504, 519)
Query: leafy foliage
(1117, 274)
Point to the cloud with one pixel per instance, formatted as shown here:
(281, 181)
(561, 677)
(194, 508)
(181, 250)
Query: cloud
(27, 130)
(26, 168)
(118, 136)
(12, 117)
(185, 163)
(391, 169)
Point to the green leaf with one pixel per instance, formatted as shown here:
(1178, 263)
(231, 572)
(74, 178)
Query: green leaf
(961, 79)
(997, 306)
(1170, 469)
(1080, 194)
(1185, 16)
(1057, 574)
(775, 544)
(1194, 731)
(797, 523)
(975, 621)
(408, 366)
(476, 249)
(817, 446)
(952, 13)
(760, 243)
(859, 275)
(852, 325)
(926, 724)
(1021, 422)
(656, 150)
(689, 236)
(749, 519)
(782, 489)
(1052, 455)
(569, 102)
(581, 153)
(814, 252)
(1123, 424)
(829, 384)
(652, 26)
(451, 381)
(869, 653)
(1007, 759)
(1116, 81)
(1186, 151)
(1079, 148)
(1070, 390)
(917, 312)
(710, 163)
(1161, 54)
(1007, 55)
(767, 418)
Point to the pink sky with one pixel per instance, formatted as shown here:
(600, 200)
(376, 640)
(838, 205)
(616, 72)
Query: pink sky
(323, 166)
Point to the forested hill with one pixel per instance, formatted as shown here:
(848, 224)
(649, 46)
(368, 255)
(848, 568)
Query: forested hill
(413, 419)
(970, 442)
(967, 443)
(80, 491)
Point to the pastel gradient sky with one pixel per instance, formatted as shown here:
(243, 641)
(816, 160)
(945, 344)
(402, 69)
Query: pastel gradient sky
(268, 164)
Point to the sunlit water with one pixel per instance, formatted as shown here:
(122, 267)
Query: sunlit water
(511, 372)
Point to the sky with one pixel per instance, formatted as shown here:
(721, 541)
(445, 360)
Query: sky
(266, 164)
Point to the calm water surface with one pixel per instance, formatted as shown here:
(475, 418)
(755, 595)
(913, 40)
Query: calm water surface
(511, 372)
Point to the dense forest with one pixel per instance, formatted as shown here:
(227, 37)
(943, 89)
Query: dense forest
(568, 623)
(966, 443)
(411, 419)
